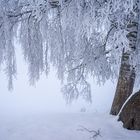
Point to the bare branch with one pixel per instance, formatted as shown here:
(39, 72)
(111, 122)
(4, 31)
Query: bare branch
(95, 133)
(20, 14)
(107, 36)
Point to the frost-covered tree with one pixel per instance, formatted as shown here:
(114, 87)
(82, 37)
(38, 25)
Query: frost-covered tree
(80, 38)
(128, 66)
(7, 32)
(104, 33)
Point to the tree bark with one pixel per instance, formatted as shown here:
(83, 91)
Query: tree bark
(130, 114)
(127, 72)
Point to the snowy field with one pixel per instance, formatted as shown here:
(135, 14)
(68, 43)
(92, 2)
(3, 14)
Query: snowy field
(63, 126)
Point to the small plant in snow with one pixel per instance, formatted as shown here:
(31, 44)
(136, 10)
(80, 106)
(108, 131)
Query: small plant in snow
(94, 133)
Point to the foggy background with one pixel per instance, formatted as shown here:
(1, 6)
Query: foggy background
(46, 95)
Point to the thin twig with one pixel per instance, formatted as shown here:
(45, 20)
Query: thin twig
(95, 133)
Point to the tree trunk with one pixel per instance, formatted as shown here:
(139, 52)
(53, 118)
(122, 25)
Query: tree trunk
(127, 73)
(130, 114)
(124, 86)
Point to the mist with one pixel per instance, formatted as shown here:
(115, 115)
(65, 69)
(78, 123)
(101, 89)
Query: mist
(46, 95)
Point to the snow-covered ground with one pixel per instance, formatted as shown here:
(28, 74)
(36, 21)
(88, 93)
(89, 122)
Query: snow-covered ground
(63, 126)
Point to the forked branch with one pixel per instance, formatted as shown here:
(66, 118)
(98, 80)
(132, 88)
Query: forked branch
(94, 133)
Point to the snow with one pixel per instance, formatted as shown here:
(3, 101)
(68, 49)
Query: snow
(62, 126)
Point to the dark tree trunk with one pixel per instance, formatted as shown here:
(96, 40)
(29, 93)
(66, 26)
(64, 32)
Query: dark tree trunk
(124, 86)
(130, 114)
(127, 73)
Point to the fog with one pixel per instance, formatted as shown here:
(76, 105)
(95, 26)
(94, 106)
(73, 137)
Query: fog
(46, 95)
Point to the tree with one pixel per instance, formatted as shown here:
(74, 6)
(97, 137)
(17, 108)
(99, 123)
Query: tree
(80, 38)
(77, 34)
(130, 113)
(127, 69)
(124, 86)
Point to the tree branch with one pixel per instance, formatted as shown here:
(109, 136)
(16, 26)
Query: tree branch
(95, 133)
